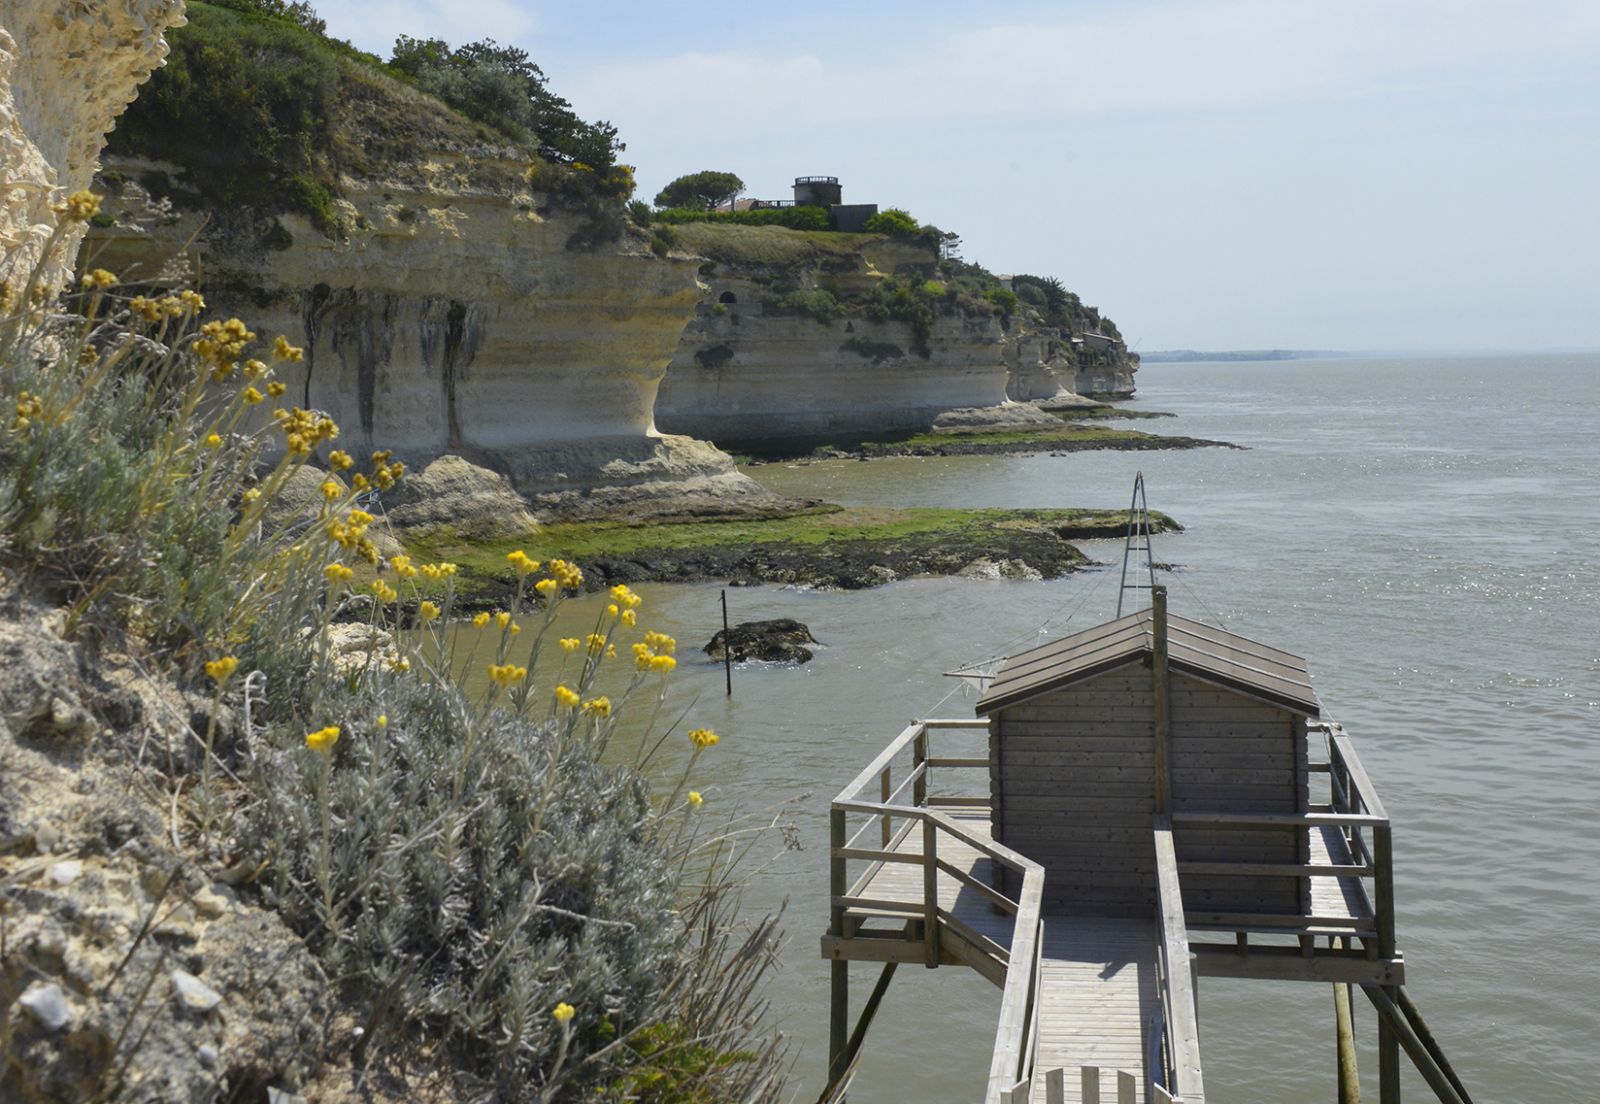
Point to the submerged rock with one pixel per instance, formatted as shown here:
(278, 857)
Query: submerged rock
(781, 640)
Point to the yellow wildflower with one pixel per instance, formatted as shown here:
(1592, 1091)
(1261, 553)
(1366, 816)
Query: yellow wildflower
(337, 573)
(340, 459)
(479, 620)
(569, 644)
(147, 309)
(625, 597)
(446, 568)
(662, 665)
(282, 350)
(191, 301)
(254, 369)
(430, 572)
(323, 739)
(251, 396)
(595, 642)
(695, 800)
(544, 587)
(221, 670)
(399, 663)
(566, 698)
(426, 612)
(100, 279)
(502, 619)
(519, 560)
(384, 591)
(563, 1013)
(330, 490)
(276, 388)
(703, 738)
(598, 707)
(402, 567)
(660, 642)
(213, 440)
(80, 206)
(629, 617)
(250, 496)
(383, 720)
(506, 675)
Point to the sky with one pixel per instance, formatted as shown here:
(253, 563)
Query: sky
(1221, 174)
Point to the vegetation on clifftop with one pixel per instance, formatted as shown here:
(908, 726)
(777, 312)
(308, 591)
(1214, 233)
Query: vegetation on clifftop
(260, 110)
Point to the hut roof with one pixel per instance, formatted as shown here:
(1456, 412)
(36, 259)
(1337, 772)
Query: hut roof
(1213, 655)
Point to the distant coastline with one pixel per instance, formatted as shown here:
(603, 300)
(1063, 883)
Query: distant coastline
(1178, 356)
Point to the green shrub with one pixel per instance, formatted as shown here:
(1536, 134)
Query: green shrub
(1005, 301)
(897, 300)
(894, 222)
(501, 86)
(640, 212)
(816, 303)
(463, 865)
(795, 218)
(244, 104)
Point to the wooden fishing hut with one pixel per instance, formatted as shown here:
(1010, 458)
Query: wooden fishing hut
(1136, 806)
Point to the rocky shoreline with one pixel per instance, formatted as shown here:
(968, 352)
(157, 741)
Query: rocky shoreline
(1071, 436)
(845, 549)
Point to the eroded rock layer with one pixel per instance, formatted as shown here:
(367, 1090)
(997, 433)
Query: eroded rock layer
(67, 69)
(449, 317)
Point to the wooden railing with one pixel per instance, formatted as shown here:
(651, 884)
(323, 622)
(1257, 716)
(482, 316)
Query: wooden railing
(898, 810)
(1353, 809)
(1178, 1074)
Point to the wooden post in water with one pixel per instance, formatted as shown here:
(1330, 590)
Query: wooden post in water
(1345, 1031)
(1162, 697)
(727, 644)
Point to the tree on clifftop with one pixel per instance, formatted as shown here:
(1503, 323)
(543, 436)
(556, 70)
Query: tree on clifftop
(501, 86)
(706, 189)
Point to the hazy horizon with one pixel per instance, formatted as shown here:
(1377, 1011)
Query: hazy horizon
(1226, 174)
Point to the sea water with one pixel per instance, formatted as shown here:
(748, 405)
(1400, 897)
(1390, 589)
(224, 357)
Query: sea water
(1425, 531)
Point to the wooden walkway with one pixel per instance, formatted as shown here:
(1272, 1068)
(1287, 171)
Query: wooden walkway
(1099, 989)
(1100, 996)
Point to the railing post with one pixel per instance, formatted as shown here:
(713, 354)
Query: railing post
(1127, 1088)
(1162, 697)
(1383, 907)
(930, 892)
(839, 1003)
(919, 759)
(1089, 1080)
(1055, 1086)
(886, 787)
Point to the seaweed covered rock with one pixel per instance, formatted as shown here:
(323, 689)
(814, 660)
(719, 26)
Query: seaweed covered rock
(781, 640)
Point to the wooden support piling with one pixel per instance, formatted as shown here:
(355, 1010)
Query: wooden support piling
(1404, 1035)
(1349, 1076)
(1383, 909)
(727, 646)
(1414, 1016)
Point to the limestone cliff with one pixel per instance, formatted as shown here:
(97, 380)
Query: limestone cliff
(799, 338)
(795, 341)
(453, 296)
(67, 68)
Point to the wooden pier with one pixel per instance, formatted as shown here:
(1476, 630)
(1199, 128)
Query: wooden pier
(1144, 804)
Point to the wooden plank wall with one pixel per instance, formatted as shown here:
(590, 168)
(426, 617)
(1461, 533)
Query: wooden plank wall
(1073, 789)
(1231, 753)
(1077, 792)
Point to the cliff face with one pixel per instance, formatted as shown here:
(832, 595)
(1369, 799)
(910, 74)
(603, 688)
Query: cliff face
(452, 318)
(790, 344)
(786, 344)
(746, 371)
(67, 68)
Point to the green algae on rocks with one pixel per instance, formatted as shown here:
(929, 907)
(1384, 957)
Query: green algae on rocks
(849, 548)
